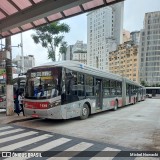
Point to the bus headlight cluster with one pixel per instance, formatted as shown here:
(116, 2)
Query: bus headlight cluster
(54, 104)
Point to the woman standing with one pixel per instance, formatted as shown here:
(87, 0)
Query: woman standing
(20, 100)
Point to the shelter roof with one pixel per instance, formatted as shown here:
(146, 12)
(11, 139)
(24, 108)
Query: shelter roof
(20, 15)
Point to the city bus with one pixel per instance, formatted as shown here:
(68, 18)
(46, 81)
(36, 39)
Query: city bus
(68, 89)
(152, 92)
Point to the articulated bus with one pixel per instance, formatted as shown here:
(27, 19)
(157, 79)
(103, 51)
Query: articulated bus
(67, 89)
(152, 92)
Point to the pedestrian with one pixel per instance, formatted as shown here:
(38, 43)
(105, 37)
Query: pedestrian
(20, 100)
(17, 110)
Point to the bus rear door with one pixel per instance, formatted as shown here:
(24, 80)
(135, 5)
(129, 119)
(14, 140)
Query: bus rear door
(99, 98)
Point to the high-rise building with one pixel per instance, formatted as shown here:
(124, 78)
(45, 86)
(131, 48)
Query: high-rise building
(29, 62)
(76, 52)
(104, 33)
(135, 37)
(79, 46)
(80, 56)
(126, 36)
(68, 55)
(150, 49)
(124, 61)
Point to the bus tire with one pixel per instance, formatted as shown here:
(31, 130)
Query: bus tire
(116, 106)
(134, 101)
(84, 112)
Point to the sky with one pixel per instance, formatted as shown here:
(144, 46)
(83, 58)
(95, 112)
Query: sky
(134, 12)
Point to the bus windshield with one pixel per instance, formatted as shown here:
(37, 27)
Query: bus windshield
(42, 85)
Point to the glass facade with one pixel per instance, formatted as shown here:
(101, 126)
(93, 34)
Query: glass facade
(150, 49)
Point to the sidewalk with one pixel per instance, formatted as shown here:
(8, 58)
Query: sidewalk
(12, 119)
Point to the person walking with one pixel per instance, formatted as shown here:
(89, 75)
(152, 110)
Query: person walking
(20, 100)
(17, 109)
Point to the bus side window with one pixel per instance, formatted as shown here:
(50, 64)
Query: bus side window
(71, 83)
(80, 86)
(89, 85)
(106, 87)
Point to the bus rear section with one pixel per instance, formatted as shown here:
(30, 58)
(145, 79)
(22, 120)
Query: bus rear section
(2, 96)
(3, 102)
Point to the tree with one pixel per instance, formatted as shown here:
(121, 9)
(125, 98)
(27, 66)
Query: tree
(144, 83)
(63, 49)
(50, 36)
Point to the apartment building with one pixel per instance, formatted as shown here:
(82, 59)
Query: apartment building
(126, 36)
(29, 62)
(124, 61)
(104, 33)
(76, 52)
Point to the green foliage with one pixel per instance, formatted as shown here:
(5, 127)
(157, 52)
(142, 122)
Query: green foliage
(157, 85)
(144, 83)
(51, 55)
(80, 51)
(63, 49)
(50, 36)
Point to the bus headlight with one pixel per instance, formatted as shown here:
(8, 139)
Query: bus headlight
(54, 104)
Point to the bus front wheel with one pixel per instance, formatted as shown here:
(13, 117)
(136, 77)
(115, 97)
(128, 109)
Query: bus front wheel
(84, 112)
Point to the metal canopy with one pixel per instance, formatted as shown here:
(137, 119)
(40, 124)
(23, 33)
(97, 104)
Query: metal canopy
(20, 15)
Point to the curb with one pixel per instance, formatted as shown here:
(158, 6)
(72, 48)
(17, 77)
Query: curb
(20, 120)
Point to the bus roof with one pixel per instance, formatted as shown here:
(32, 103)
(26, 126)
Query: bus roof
(152, 87)
(80, 67)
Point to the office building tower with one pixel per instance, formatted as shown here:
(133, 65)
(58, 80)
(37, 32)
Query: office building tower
(150, 49)
(135, 37)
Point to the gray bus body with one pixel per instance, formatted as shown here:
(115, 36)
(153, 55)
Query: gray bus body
(81, 90)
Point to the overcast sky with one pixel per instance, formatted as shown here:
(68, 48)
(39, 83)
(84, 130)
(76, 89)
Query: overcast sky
(134, 11)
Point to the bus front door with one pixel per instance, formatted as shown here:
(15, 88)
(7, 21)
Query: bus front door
(99, 97)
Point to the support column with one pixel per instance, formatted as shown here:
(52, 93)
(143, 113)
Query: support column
(9, 85)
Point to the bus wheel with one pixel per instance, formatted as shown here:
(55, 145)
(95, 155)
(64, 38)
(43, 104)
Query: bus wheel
(84, 112)
(116, 106)
(134, 100)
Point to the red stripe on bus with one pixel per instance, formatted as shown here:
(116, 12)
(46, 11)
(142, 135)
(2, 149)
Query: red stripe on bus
(36, 105)
(112, 103)
(120, 102)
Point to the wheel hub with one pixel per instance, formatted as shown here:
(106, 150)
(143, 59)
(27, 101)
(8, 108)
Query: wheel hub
(84, 111)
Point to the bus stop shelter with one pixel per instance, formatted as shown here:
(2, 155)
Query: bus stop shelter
(20, 15)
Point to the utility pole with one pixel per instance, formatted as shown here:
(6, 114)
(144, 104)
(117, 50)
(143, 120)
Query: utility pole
(9, 85)
(22, 53)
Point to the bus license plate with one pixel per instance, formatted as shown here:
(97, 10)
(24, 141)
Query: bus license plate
(35, 115)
